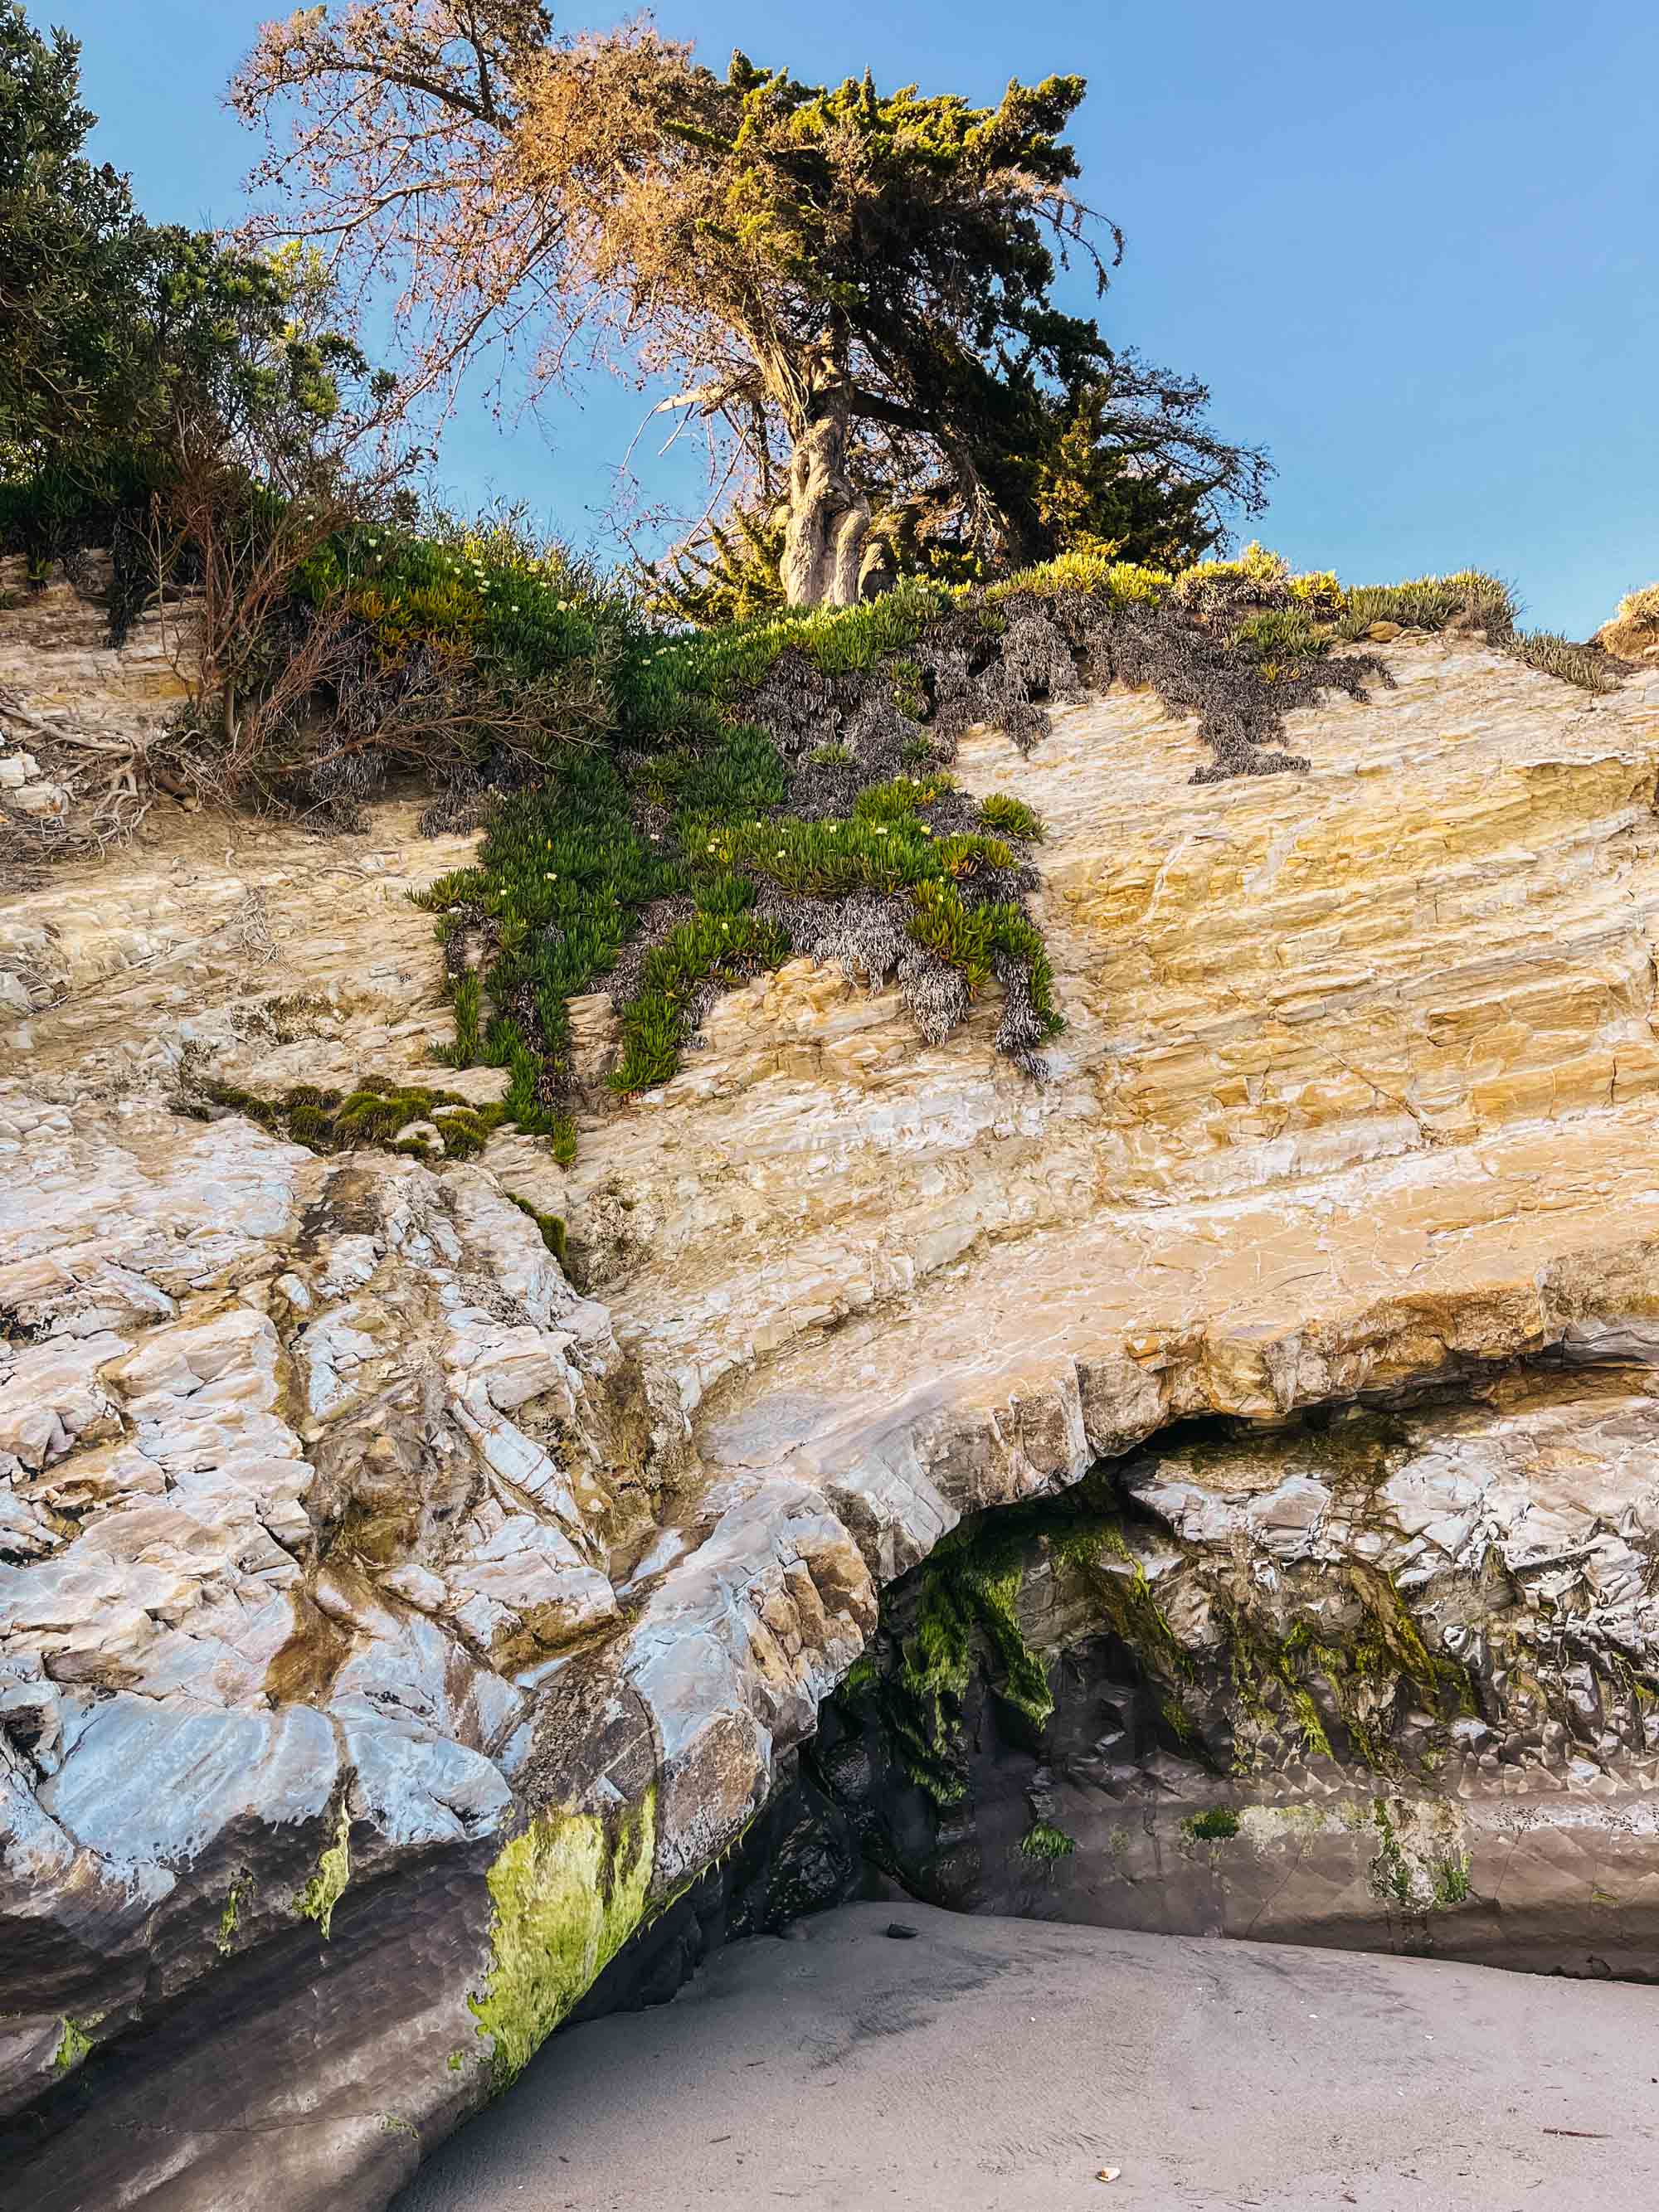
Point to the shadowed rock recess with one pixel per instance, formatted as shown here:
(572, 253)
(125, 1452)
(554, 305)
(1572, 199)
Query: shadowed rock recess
(1214, 1489)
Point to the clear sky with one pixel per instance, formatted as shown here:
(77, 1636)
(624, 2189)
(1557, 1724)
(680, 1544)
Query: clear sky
(1414, 251)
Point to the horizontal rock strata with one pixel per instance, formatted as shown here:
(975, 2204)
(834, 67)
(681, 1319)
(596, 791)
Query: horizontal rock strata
(388, 1629)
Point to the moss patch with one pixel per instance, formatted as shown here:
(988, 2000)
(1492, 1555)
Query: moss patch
(1216, 1826)
(1043, 1841)
(1262, 1679)
(327, 1885)
(1451, 1880)
(372, 1113)
(551, 1227)
(568, 1894)
(1361, 1673)
(969, 1589)
(227, 1919)
(923, 1706)
(73, 2045)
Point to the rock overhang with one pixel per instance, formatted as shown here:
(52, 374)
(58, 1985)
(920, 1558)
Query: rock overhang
(1357, 1098)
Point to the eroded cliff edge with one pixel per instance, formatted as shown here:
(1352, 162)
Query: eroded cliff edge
(391, 1629)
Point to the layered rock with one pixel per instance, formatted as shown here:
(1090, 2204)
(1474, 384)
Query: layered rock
(390, 1629)
(1383, 1680)
(314, 1472)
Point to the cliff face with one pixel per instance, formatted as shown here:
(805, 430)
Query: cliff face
(391, 1629)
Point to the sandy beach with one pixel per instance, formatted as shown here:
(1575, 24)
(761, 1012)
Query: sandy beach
(993, 2065)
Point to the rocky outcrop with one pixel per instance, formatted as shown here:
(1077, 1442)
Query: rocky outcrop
(389, 1630)
(314, 1472)
(1383, 1680)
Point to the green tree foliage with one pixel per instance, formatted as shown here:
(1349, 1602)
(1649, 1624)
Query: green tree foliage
(857, 289)
(908, 250)
(63, 220)
(123, 342)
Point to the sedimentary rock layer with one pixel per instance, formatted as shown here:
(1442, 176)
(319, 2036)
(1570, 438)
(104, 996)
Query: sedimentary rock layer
(389, 1629)
(1382, 1679)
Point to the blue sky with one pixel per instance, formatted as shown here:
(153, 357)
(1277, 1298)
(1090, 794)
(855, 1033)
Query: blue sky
(1413, 251)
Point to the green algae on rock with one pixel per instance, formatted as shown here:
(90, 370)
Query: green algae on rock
(567, 1892)
(327, 1885)
(73, 2045)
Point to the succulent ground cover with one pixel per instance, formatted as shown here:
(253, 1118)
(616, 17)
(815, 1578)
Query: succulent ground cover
(667, 814)
(781, 788)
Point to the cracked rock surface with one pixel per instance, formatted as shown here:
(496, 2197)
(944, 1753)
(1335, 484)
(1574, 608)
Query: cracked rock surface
(1382, 1680)
(386, 1627)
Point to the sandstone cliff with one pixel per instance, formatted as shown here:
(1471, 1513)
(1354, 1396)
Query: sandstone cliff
(392, 1629)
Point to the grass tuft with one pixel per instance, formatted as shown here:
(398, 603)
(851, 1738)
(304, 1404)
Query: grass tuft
(1640, 609)
(1432, 603)
(1216, 1826)
(1011, 817)
(1586, 666)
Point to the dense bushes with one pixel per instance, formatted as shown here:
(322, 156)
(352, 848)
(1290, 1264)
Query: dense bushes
(184, 401)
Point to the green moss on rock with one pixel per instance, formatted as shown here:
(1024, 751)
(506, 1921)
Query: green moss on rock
(551, 1227)
(1216, 1826)
(327, 1885)
(568, 1894)
(372, 1114)
(1452, 1882)
(1045, 1841)
(228, 1917)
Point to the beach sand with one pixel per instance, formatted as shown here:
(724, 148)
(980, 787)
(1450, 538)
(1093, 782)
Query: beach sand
(993, 2065)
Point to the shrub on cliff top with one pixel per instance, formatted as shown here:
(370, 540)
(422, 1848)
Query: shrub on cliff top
(1640, 608)
(132, 352)
(1470, 598)
(1586, 666)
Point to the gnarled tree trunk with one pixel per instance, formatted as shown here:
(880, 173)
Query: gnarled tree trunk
(828, 559)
